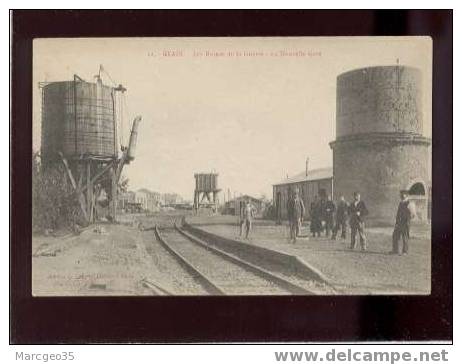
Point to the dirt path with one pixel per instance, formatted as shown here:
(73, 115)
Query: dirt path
(110, 263)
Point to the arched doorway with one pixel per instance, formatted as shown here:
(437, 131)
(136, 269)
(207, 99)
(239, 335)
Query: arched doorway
(417, 189)
(418, 195)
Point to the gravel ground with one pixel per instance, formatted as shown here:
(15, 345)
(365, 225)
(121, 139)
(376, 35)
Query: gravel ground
(180, 281)
(164, 219)
(113, 262)
(351, 272)
(109, 263)
(232, 278)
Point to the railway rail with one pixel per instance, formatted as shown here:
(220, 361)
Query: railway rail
(155, 288)
(221, 273)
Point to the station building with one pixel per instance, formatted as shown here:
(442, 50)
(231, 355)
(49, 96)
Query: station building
(234, 206)
(310, 183)
(148, 200)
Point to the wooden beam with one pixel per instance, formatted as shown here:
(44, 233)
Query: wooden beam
(98, 175)
(96, 194)
(80, 196)
(114, 193)
(121, 164)
(68, 170)
(89, 187)
(93, 205)
(81, 173)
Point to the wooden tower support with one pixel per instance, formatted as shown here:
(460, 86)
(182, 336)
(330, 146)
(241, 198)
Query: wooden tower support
(211, 198)
(92, 172)
(113, 200)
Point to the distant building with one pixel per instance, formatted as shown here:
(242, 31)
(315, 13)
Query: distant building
(170, 199)
(156, 198)
(124, 199)
(316, 182)
(233, 207)
(149, 200)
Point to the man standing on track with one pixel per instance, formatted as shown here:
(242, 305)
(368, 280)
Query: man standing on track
(358, 211)
(295, 213)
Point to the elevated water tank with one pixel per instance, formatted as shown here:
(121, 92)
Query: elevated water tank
(78, 119)
(206, 182)
(385, 99)
(379, 147)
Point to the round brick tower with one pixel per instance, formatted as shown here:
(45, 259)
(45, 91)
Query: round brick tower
(379, 147)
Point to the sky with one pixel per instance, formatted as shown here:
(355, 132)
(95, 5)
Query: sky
(250, 109)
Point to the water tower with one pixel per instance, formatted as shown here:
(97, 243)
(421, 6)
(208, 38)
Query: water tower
(206, 189)
(79, 130)
(380, 148)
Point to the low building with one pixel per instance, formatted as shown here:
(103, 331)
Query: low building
(171, 199)
(149, 200)
(311, 183)
(157, 199)
(124, 199)
(233, 207)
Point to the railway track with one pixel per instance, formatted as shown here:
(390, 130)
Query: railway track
(173, 275)
(221, 273)
(155, 288)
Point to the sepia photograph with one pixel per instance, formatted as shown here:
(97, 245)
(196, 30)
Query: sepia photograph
(231, 166)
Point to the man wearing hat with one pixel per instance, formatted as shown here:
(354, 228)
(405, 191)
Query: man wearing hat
(295, 213)
(247, 215)
(357, 212)
(341, 218)
(329, 213)
(404, 216)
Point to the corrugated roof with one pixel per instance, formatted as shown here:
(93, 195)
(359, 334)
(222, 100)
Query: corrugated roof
(313, 175)
(244, 197)
(147, 191)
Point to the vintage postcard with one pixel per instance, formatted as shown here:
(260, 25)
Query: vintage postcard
(232, 166)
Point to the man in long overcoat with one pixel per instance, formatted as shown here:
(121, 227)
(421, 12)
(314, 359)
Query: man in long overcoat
(404, 215)
(358, 212)
(341, 218)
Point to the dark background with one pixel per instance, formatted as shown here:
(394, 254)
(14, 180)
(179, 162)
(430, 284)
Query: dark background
(236, 319)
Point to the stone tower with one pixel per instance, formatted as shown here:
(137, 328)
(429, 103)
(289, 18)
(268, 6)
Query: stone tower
(379, 147)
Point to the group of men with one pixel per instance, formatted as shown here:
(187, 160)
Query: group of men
(328, 217)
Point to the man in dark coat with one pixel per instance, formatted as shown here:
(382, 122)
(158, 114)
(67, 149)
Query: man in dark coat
(315, 218)
(404, 216)
(358, 212)
(341, 217)
(295, 213)
(329, 213)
